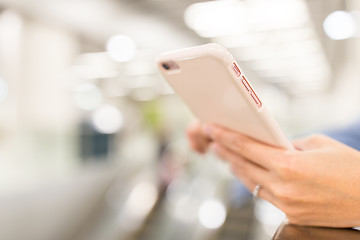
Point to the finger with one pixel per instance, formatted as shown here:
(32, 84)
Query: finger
(242, 166)
(250, 174)
(312, 142)
(251, 149)
(199, 141)
(250, 185)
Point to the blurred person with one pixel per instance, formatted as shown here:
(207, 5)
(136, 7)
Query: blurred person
(316, 184)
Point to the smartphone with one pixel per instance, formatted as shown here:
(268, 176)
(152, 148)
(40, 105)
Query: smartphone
(216, 90)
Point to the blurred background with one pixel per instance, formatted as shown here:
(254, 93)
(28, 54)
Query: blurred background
(92, 140)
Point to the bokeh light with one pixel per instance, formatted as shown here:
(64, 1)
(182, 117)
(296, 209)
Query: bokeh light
(107, 119)
(135, 204)
(212, 214)
(214, 18)
(232, 17)
(269, 216)
(340, 25)
(121, 48)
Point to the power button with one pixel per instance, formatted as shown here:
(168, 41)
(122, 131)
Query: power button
(251, 92)
(245, 83)
(256, 99)
(236, 70)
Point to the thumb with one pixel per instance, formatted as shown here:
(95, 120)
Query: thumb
(311, 142)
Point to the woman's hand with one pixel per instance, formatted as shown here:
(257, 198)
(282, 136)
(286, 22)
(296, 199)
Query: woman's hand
(317, 184)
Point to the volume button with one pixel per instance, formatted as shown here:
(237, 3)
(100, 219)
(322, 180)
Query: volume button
(236, 69)
(251, 92)
(245, 83)
(256, 99)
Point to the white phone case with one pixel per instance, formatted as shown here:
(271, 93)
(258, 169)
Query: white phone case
(211, 83)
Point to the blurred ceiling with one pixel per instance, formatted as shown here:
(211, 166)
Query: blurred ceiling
(277, 41)
(99, 20)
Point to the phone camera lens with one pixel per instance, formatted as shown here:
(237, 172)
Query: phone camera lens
(166, 66)
(170, 65)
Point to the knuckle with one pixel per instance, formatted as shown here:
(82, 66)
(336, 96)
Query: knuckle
(241, 146)
(237, 171)
(219, 151)
(317, 138)
(239, 163)
(288, 198)
(218, 134)
(285, 195)
(288, 168)
(282, 195)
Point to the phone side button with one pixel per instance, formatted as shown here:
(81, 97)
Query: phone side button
(245, 83)
(256, 99)
(236, 70)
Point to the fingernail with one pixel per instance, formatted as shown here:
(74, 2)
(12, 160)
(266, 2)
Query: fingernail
(208, 130)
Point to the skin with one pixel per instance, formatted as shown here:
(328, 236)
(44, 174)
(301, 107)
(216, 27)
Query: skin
(315, 185)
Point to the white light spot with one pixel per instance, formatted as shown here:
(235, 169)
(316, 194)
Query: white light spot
(216, 18)
(121, 48)
(107, 119)
(269, 216)
(212, 214)
(340, 25)
(234, 17)
(141, 200)
(87, 96)
(3, 89)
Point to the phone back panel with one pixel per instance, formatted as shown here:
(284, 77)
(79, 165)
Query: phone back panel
(206, 81)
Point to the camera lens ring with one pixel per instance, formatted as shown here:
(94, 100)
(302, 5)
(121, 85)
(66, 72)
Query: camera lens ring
(165, 66)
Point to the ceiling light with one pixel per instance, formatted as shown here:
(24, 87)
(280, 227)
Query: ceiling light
(217, 18)
(278, 14)
(340, 25)
(233, 17)
(107, 119)
(121, 48)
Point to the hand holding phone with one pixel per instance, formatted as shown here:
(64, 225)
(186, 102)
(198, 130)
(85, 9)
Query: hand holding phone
(214, 87)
